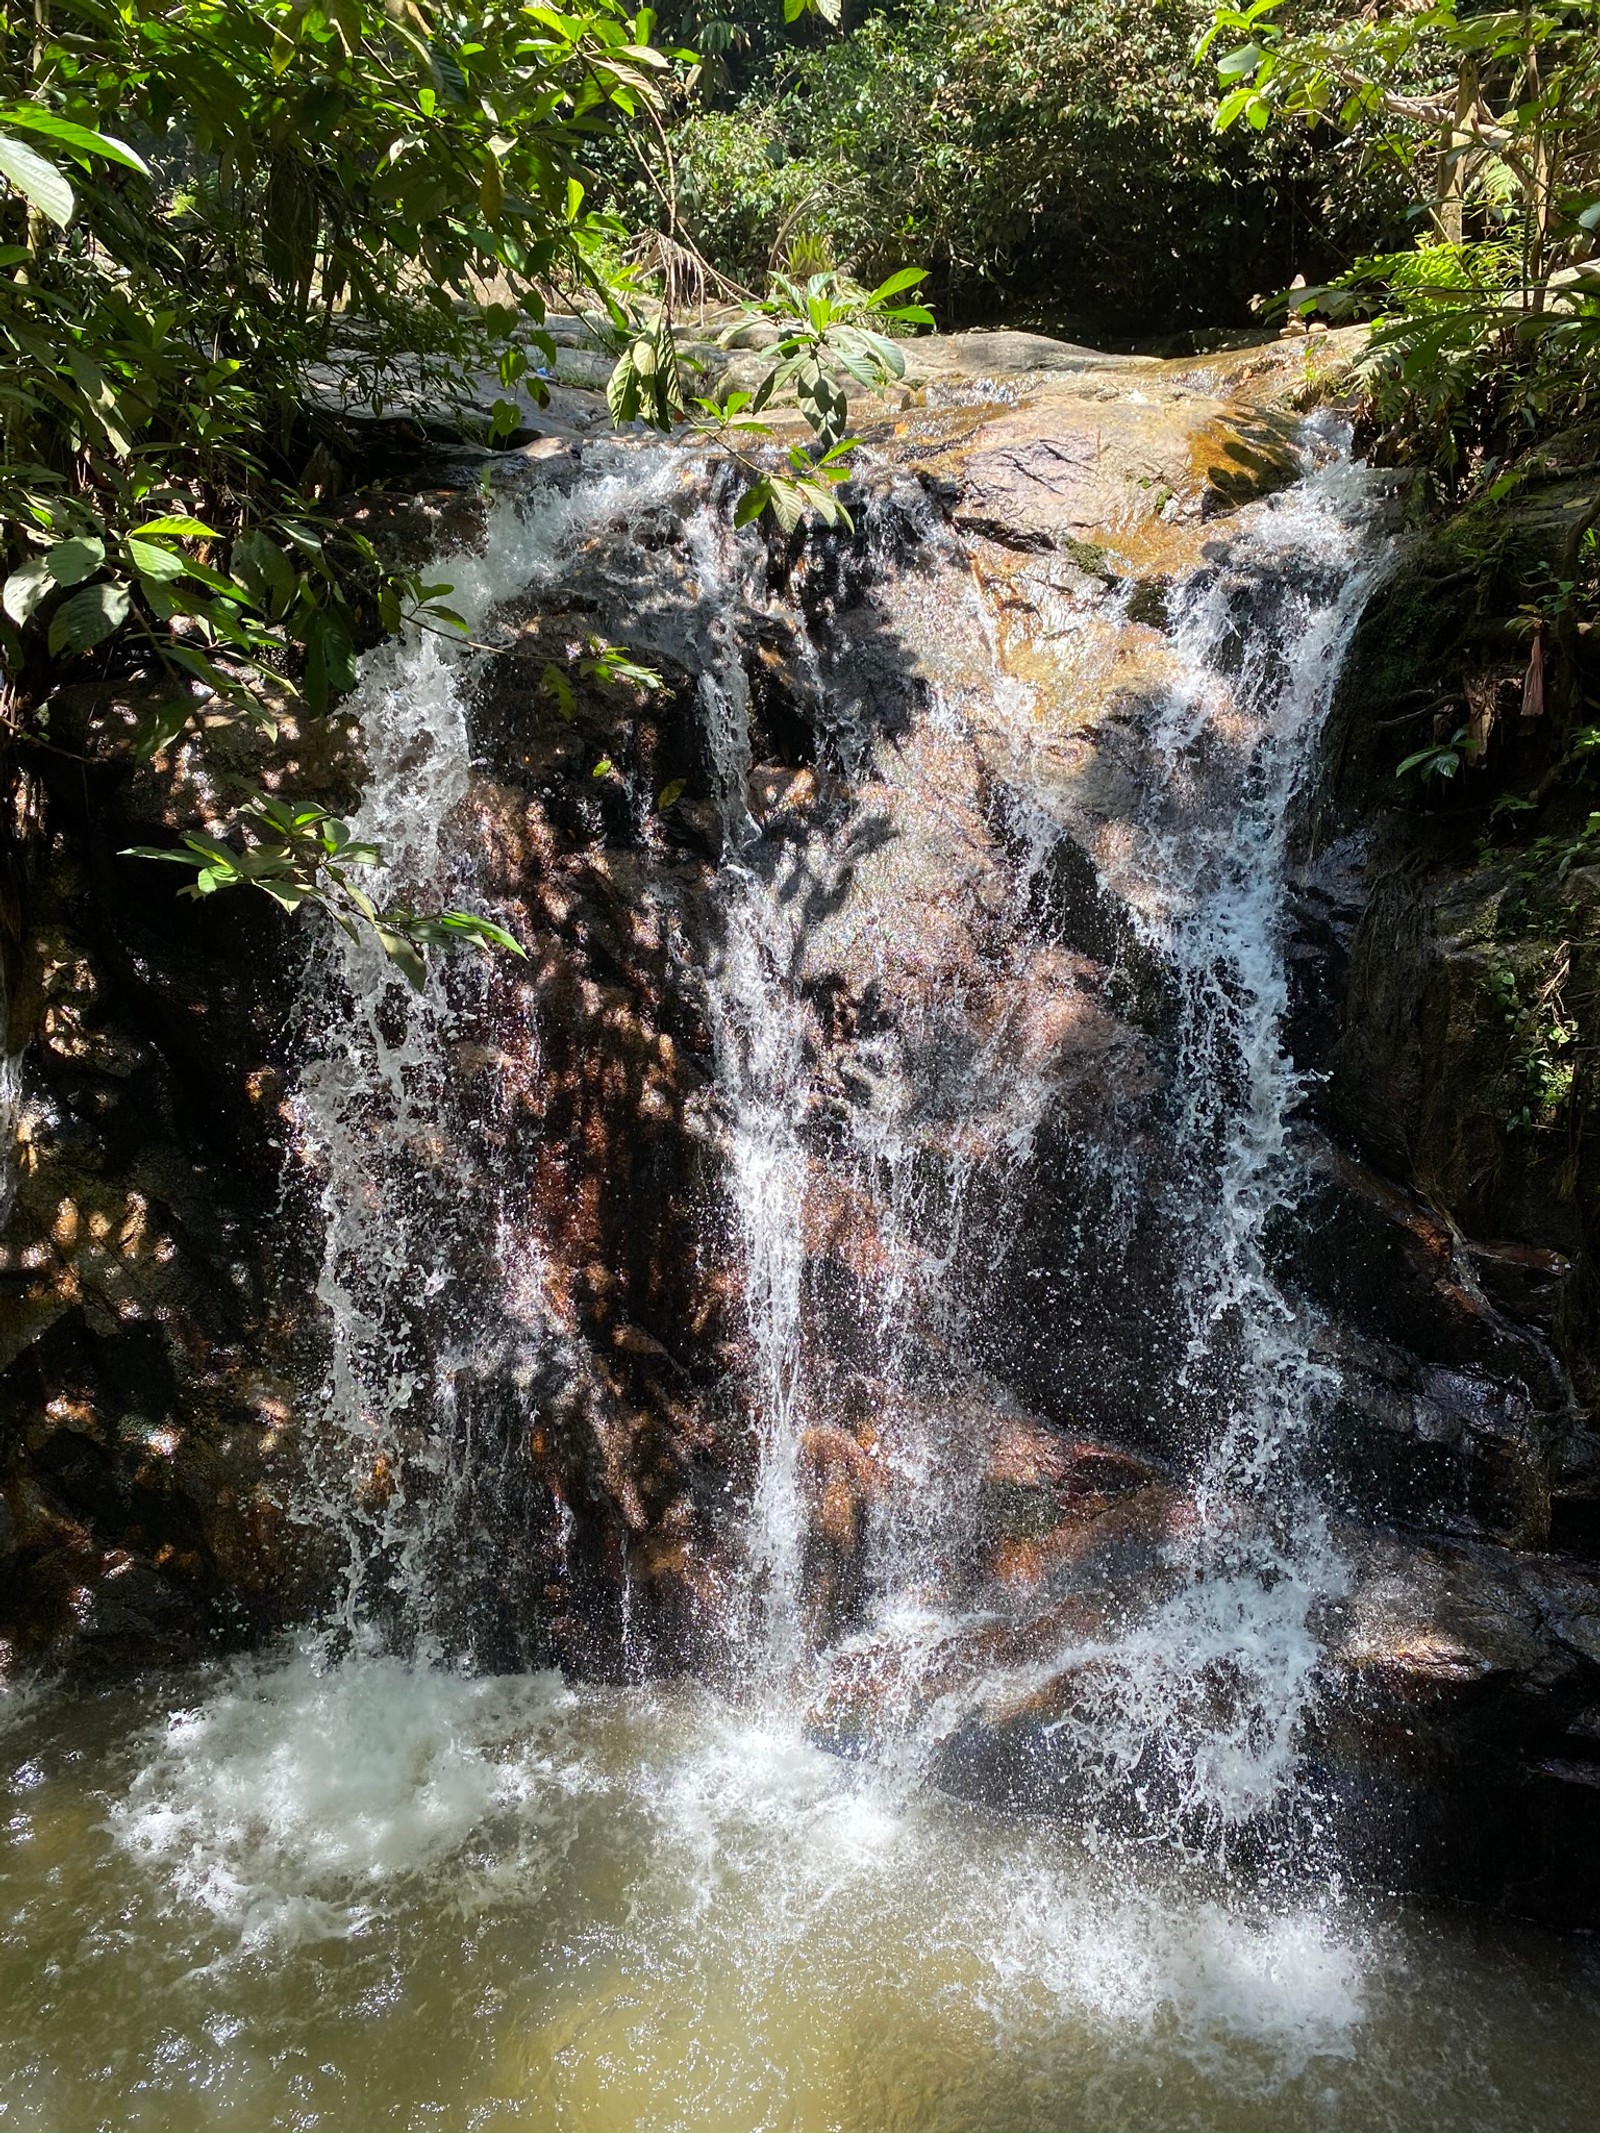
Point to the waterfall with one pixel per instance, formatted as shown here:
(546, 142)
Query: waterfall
(1194, 1686)
(430, 1277)
(813, 1429)
(1190, 1692)
(758, 1029)
(1213, 1688)
(989, 1461)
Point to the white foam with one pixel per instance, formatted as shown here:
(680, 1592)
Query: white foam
(291, 1801)
(291, 1805)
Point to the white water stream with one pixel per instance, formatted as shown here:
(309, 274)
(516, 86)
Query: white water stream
(429, 1280)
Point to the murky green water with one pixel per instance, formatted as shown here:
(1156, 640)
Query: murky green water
(382, 1898)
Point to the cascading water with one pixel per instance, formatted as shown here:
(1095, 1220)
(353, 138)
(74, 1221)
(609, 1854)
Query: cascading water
(358, 1882)
(760, 1037)
(1194, 1692)
(430, 1280)
(1257, 642)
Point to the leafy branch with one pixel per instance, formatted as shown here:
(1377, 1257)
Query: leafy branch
(301, 855)
(828, 336)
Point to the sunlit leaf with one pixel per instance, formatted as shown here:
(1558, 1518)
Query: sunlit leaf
(38, 181)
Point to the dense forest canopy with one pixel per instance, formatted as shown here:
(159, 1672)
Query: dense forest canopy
(1054, 165)
(235, 235)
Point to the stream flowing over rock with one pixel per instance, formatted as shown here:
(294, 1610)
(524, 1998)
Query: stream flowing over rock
(932, 1241)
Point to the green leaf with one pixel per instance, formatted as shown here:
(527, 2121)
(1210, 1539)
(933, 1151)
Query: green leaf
(907, 278)
(155, 851)
(88, 618)
(1234, 105)
(554, 683)
(402, 952)
(671, 794)
(330, 659)
(25, 588)
(70, 562)
(622, 390)
(786, 503)
(292, 895)
(37, 181)
(83, 138)
(192, 528)
(482, 930)
(158, 729)
(265, 571)
(161, 564)
(93, 383)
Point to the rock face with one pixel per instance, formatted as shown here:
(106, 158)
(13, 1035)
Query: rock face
(945, 772)
(147, 1396)
(1448, 995)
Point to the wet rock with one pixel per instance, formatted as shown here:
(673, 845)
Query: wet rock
(1457, 1738)
(1047, 1500)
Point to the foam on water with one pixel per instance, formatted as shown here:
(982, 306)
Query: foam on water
(292, 1800)
(376, 1894)
(294, 1803)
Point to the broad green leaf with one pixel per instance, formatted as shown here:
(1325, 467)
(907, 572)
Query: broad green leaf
(265, 571)
(93, 383)
(84, 138)
(25, 588)
(158, 729)
(70, 562)
(192, 528)
(402, 952)
(330, 660)
(785, 502)
(37, 180)
(622, 390)
(88, 618)
(907, 278)
(160, 564)
(753, 502)
(219, 855)
(292, 895)
(670, 794)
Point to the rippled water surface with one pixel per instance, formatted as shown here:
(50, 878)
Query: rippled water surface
(383, 1897)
